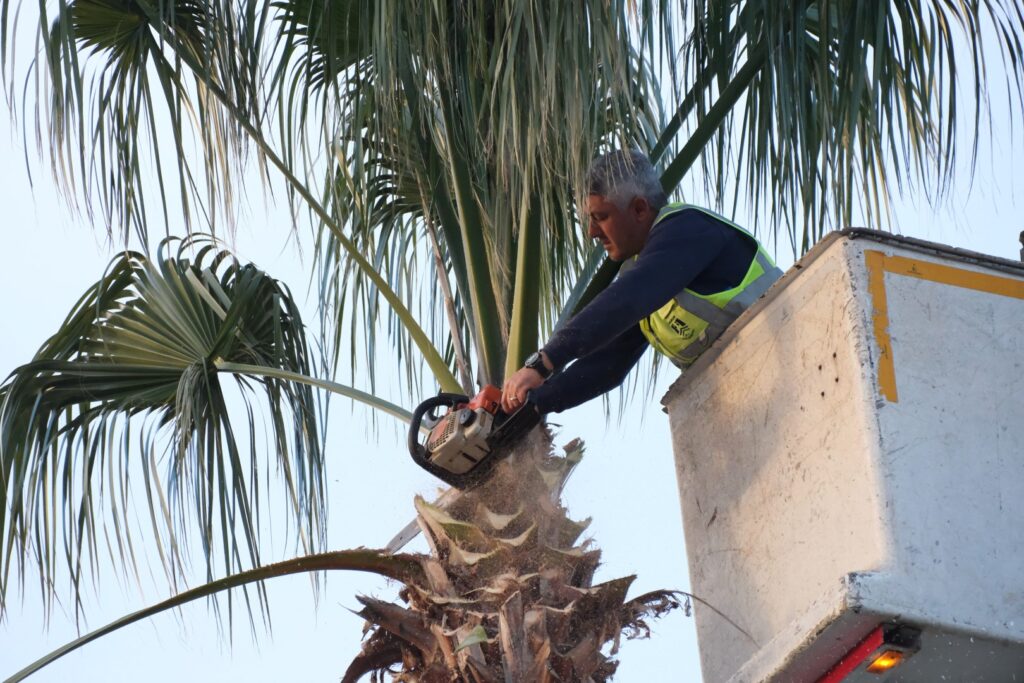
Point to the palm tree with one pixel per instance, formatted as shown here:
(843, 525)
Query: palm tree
(507, 590)
(442, 142)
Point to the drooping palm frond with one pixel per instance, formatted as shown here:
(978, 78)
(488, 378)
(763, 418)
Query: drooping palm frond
(462, 120)
(398, 567)
(127, 79)
(130, 387)
(829, 107)
(817, 112)
(118, 71)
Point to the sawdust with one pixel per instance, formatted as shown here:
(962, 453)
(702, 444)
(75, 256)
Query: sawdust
(517, 479)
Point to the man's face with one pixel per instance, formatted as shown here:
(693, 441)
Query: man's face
(622, 232)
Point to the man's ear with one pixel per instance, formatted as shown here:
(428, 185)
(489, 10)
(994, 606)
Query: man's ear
(640, 208)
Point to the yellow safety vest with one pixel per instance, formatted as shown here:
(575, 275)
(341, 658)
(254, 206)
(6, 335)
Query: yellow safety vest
(686, 326)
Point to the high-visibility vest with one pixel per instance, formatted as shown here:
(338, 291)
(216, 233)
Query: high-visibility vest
(686, 326)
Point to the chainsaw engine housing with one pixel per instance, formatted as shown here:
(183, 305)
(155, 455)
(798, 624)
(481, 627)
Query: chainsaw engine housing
(459, 441)
(464, 442)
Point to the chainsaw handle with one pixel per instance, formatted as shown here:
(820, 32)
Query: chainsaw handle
(417, 450)
(415, 424)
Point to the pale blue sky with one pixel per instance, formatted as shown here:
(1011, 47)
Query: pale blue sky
(626, 483)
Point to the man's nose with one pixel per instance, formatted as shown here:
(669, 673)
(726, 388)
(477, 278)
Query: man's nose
(593, 231)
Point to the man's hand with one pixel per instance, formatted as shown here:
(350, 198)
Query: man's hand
(513, 393)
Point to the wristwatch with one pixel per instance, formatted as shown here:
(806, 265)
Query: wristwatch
(536, 362)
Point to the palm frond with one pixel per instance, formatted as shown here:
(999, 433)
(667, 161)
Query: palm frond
(134, 368)
(116, 95)
(398, 567)
(847, 103)
(207, 61)
(819, 112)
(464, 116)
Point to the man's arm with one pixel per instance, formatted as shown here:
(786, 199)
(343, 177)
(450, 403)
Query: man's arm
(594, 374)
(677, 251)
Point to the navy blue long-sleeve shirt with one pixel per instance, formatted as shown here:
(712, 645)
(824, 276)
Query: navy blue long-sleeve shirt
(687, 250)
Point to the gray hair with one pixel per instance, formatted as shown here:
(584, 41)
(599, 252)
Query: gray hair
(623, 174)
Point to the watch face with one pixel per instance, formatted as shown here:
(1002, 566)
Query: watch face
(535, 362)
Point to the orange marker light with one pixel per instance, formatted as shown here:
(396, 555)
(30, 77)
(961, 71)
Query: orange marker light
(885, 661)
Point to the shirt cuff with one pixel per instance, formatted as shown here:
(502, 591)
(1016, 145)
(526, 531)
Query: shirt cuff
(556, 356)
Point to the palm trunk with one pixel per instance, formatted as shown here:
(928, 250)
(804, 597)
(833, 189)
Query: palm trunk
(508, 593)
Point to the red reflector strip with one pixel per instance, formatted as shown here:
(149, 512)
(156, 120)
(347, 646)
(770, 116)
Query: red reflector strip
(855, 657)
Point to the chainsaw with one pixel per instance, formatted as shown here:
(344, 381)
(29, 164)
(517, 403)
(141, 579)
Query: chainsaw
(469, 437)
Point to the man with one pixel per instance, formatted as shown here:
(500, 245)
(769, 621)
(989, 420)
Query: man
(687, 274)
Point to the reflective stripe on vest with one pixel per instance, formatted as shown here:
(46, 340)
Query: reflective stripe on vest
(686, 326)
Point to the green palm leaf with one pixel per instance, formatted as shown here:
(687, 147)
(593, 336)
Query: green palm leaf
(445, 119)
(136, 364)
(831, 107)
(116, 67)
(116, 93)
